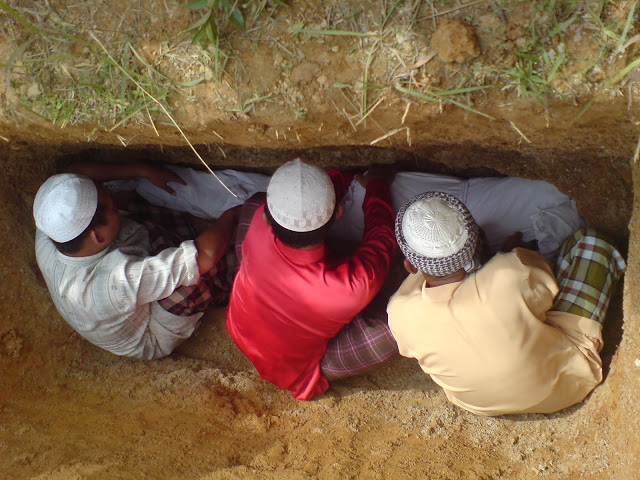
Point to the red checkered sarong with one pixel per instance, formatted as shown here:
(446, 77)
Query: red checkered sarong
(362, 344)
(168, 229)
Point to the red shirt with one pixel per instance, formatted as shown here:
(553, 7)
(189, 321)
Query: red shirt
(286, 304)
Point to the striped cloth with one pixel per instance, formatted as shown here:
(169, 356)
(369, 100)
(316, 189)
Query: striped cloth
(167, 229)
(587, 270)
(244, 221)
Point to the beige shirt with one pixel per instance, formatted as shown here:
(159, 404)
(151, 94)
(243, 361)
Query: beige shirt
(491, 342)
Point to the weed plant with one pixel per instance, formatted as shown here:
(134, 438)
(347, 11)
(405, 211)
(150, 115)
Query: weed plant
(206, 29)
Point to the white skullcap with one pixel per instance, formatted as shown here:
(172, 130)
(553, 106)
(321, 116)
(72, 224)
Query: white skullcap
(65, 205)
(436, 233)
(301, 197)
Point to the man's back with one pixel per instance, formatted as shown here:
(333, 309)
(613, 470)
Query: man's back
(485, 340)
(287, 303)
(109, 297)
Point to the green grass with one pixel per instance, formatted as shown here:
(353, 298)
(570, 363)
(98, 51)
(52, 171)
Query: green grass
(216, 13)
(248, 104)
(446, 97)
(99, 90)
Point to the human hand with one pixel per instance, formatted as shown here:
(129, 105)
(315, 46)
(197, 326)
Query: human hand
(515, 241)
(208, 245)
(161, 177)
(381, 172)
(233, 214)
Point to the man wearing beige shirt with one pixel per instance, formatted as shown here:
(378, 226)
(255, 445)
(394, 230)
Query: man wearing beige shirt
(492, 336)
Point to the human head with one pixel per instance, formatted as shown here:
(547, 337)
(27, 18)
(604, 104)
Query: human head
(69, 207)
(437, 234)
(301, 204)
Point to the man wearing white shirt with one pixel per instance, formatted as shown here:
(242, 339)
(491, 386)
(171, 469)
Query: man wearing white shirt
(109, 276)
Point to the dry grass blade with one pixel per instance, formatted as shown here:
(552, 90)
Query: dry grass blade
(387, 135)
(466, 5)
(406, 112)
(370, 111)
(339, 33)
(637, 152)
(513, 125)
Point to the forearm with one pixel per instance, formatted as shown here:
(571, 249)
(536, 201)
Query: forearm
(341, 181)
(104, 172)
(377, 206)
(214, 242)
(379, 245)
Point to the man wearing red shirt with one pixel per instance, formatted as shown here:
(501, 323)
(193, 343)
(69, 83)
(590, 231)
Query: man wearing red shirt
(292, 296)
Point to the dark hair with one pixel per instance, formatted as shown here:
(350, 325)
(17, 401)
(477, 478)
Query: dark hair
(74, 245)
(299, 239)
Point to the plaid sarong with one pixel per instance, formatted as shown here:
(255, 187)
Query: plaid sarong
(587, 270)
(168, 229)
(361, 345)
(246, 214)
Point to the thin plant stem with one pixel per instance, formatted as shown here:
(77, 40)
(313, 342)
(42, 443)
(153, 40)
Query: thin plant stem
(166, 112)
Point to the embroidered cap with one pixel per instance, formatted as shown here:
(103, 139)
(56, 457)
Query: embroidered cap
(301, 197)
(437, 233)
(65, 205)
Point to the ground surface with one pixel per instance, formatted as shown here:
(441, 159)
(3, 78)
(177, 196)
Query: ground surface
(71, 411)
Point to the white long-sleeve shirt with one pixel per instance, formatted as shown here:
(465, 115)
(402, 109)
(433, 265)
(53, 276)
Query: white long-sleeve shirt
(110, 298)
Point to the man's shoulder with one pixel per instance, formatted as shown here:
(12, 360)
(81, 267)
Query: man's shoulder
(407, 297)
(518, 260)
(46, 251)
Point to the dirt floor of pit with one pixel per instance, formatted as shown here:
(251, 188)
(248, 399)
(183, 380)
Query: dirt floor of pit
(71, 411)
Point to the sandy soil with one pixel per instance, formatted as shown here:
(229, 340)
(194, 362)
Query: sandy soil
(71, 411)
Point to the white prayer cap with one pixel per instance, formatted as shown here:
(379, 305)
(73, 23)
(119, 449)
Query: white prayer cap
(436, 233)
(65, 205)
(301, 197)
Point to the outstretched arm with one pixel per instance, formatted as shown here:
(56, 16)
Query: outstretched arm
(213, 242)
(104, 172)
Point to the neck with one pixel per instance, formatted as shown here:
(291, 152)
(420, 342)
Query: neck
(87, 251)
(311, 247)
(433, 281)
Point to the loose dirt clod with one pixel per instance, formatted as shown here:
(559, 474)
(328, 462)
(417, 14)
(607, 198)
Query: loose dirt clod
(455, 41)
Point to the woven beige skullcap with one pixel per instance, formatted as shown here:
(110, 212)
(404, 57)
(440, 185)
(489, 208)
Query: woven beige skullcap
(301, 197)
(65, 205)
(433, 229)
(436, 233)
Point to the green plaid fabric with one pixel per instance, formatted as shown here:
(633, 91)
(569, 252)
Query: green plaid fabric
(587, 270)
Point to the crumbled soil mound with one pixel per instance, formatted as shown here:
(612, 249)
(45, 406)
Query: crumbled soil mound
(455, 41)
